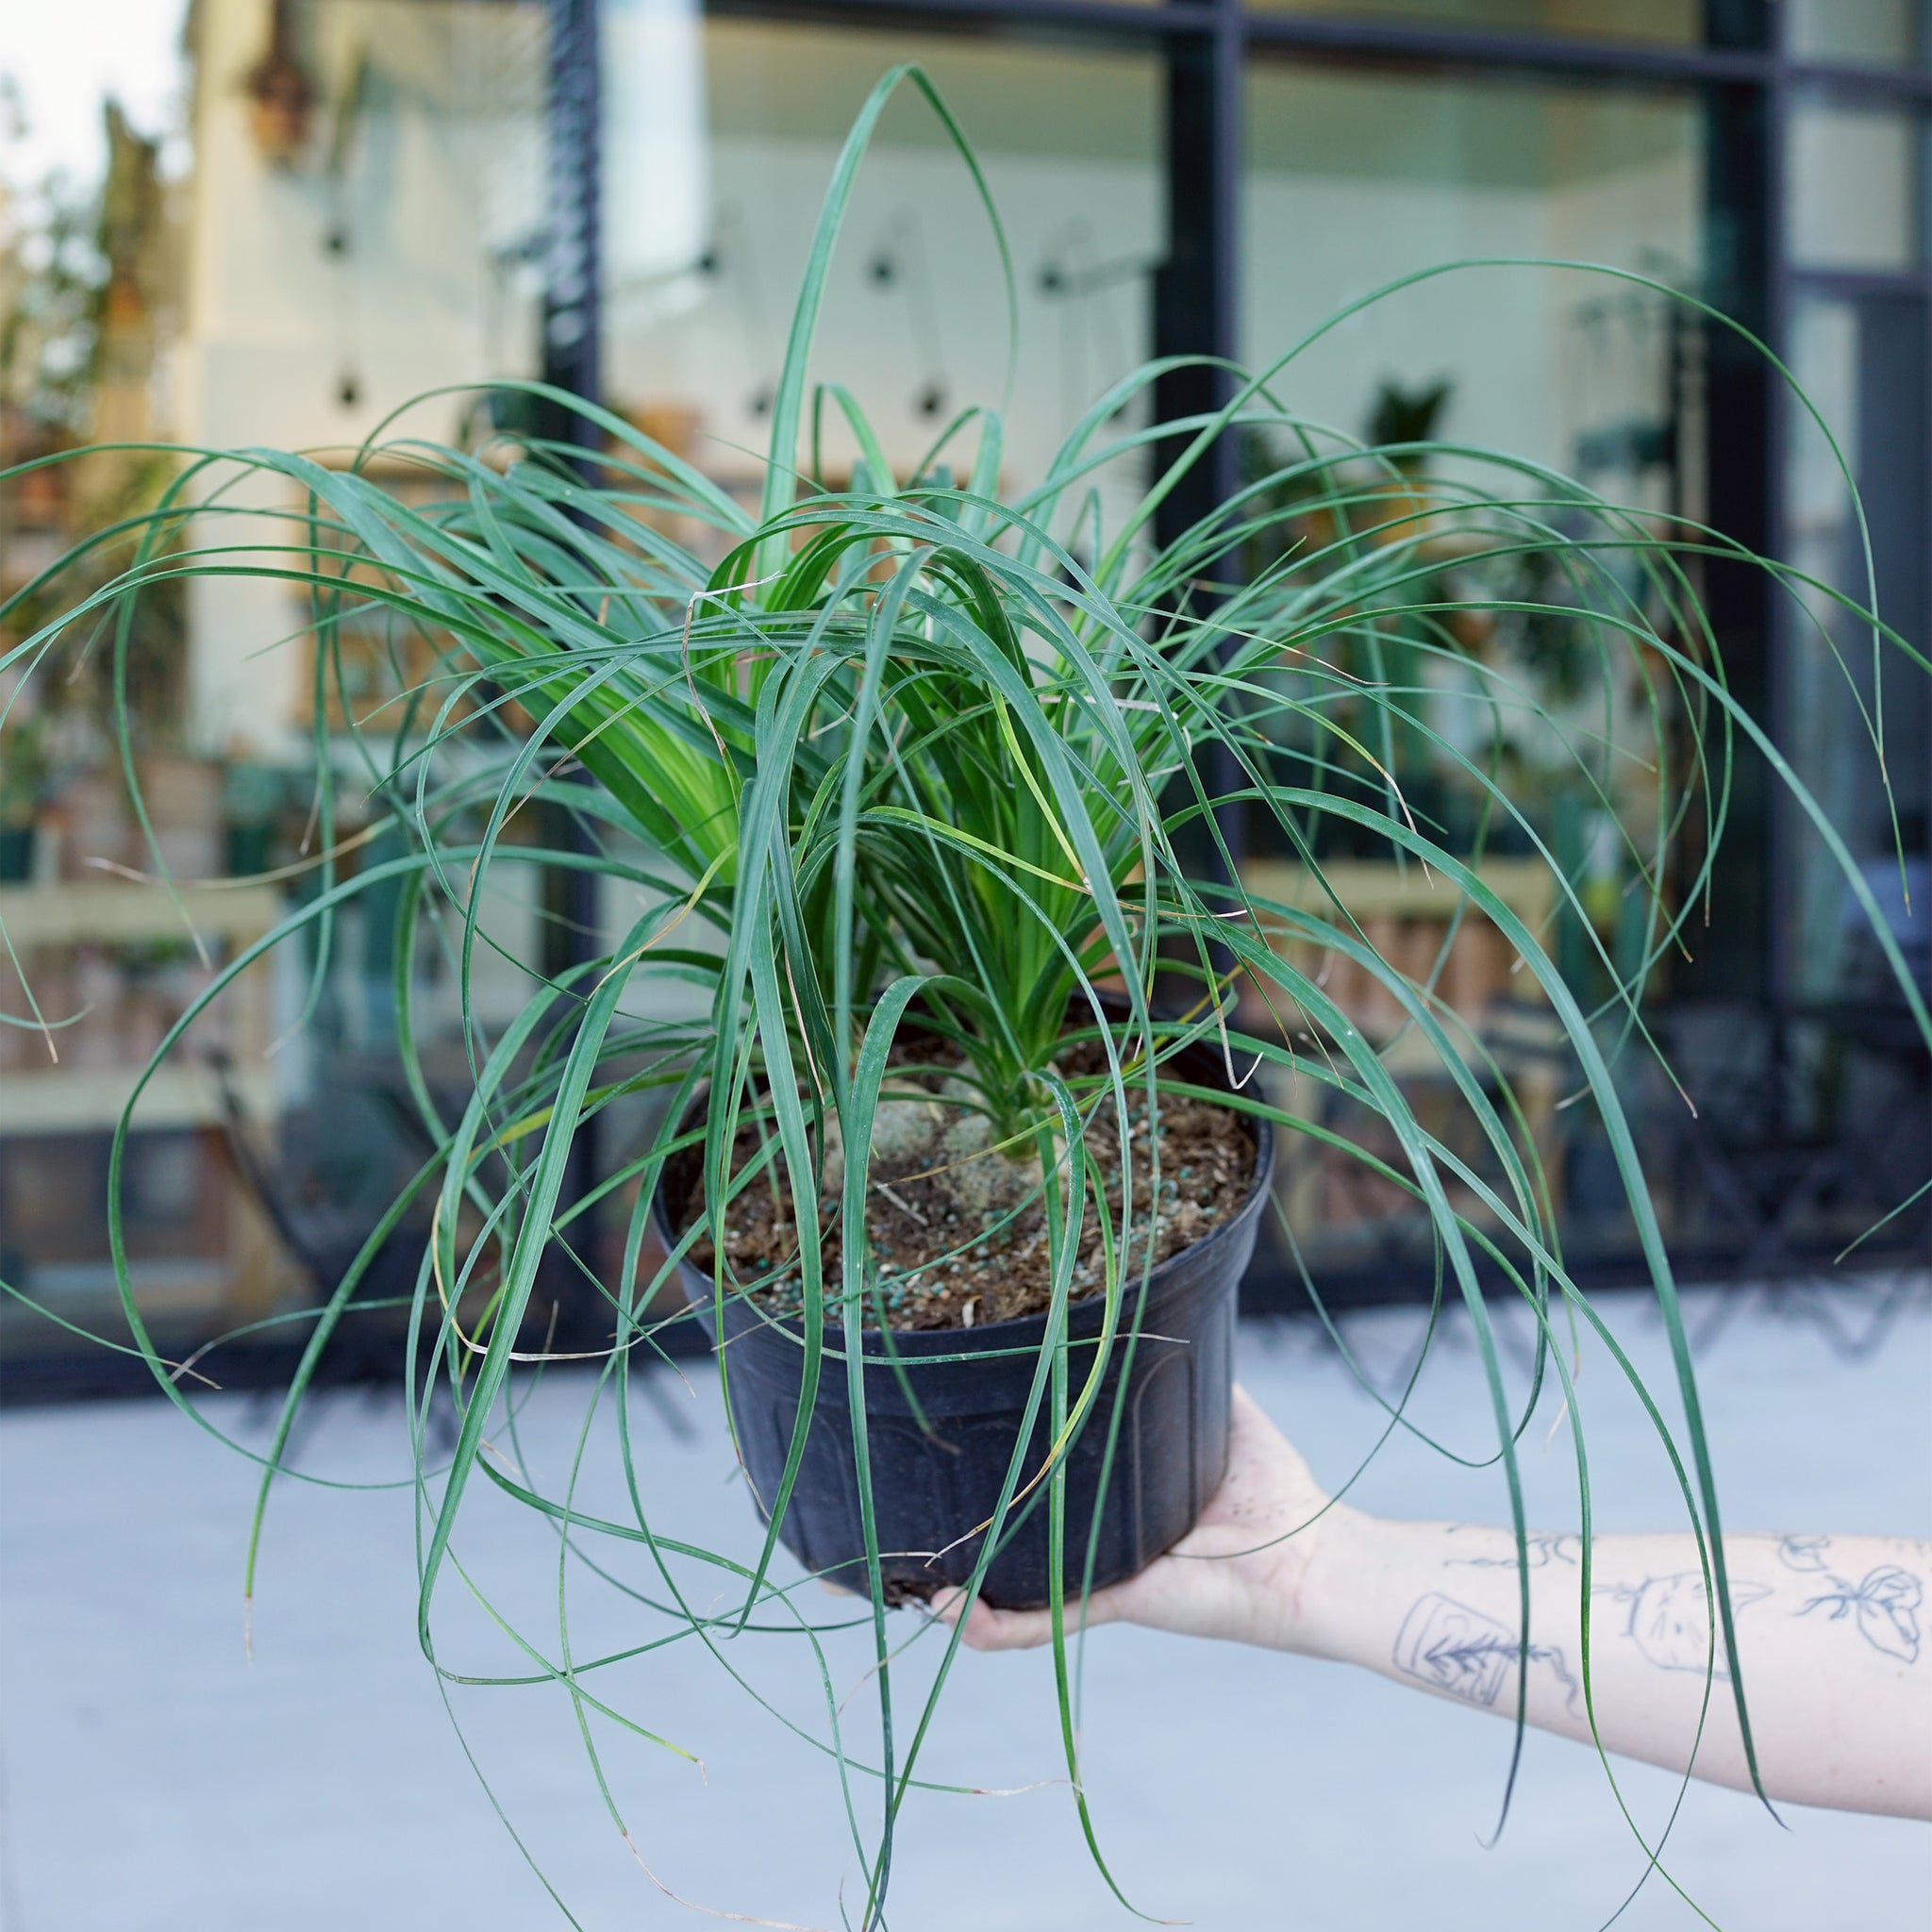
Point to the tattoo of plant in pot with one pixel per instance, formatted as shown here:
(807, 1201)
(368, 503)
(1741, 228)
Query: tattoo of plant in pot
(1461, 1653)
(1670, 1618)
(1885, 1607)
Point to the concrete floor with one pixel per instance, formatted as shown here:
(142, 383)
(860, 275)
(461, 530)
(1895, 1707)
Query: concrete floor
(155, 1777)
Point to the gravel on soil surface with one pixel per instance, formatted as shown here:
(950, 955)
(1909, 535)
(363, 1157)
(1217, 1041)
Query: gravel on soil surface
(957, 1230)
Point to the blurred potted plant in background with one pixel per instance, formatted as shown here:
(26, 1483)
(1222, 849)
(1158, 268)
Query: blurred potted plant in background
(965, 1078)
(22, 793)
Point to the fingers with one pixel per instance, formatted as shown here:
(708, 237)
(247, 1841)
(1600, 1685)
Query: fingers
(987, 1628)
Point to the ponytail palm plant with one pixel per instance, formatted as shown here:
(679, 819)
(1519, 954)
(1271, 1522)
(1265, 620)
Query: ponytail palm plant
(915, 780)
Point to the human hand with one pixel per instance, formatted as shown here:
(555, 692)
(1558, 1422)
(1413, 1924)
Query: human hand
(1243, 1573)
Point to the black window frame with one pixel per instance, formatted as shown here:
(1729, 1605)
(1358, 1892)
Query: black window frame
(1743, 69)
(1750, 82)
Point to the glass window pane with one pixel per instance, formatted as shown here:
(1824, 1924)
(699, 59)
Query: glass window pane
(1866, 363)
(1889, 33)
(345, 209)
(1857, 187)
(376, 245)
(915, 308)
(1673, 22)
(372, 226)
(1354, 181)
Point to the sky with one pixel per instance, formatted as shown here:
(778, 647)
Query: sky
(59, 58)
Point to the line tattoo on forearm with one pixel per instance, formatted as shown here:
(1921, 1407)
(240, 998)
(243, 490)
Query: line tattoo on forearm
(1463, 1654)
(1884, 1607)
(1539, 1552)
(1802, 1553)
(1670, 1618)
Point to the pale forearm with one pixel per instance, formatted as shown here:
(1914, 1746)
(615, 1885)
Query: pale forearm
(1829, 1635)
(1830, 1630)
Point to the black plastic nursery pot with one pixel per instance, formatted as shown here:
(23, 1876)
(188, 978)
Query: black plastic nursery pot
(934, 1487)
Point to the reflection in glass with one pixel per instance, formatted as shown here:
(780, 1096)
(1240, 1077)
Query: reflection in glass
(1351, 183)
(1857, 187)
(915, 317)
(361, 222)
(1880, 33)
(1863, 362)
(1355, 181)
(656, 203)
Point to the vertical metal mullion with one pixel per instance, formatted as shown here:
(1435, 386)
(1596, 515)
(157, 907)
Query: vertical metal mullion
(1733, 957)
(573, 290)
(573, 342)
(1223, 268)
(1197, 296)
(1780, 842)
(1197, 289)
(1223, 199)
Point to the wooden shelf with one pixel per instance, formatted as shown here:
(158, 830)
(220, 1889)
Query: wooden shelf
(67, 1099)
(80, 1100)
(1378, 888)
(242, 1275)
(111, 913)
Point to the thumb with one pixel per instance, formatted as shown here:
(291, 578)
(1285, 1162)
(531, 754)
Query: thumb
(985, 1629)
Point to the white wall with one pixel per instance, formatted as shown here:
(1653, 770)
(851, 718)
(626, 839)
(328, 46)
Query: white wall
(721, 349)
(1312, 244)
(1444, 173)
(443, 165)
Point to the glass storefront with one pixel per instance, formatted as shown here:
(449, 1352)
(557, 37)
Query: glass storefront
(369, 213)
